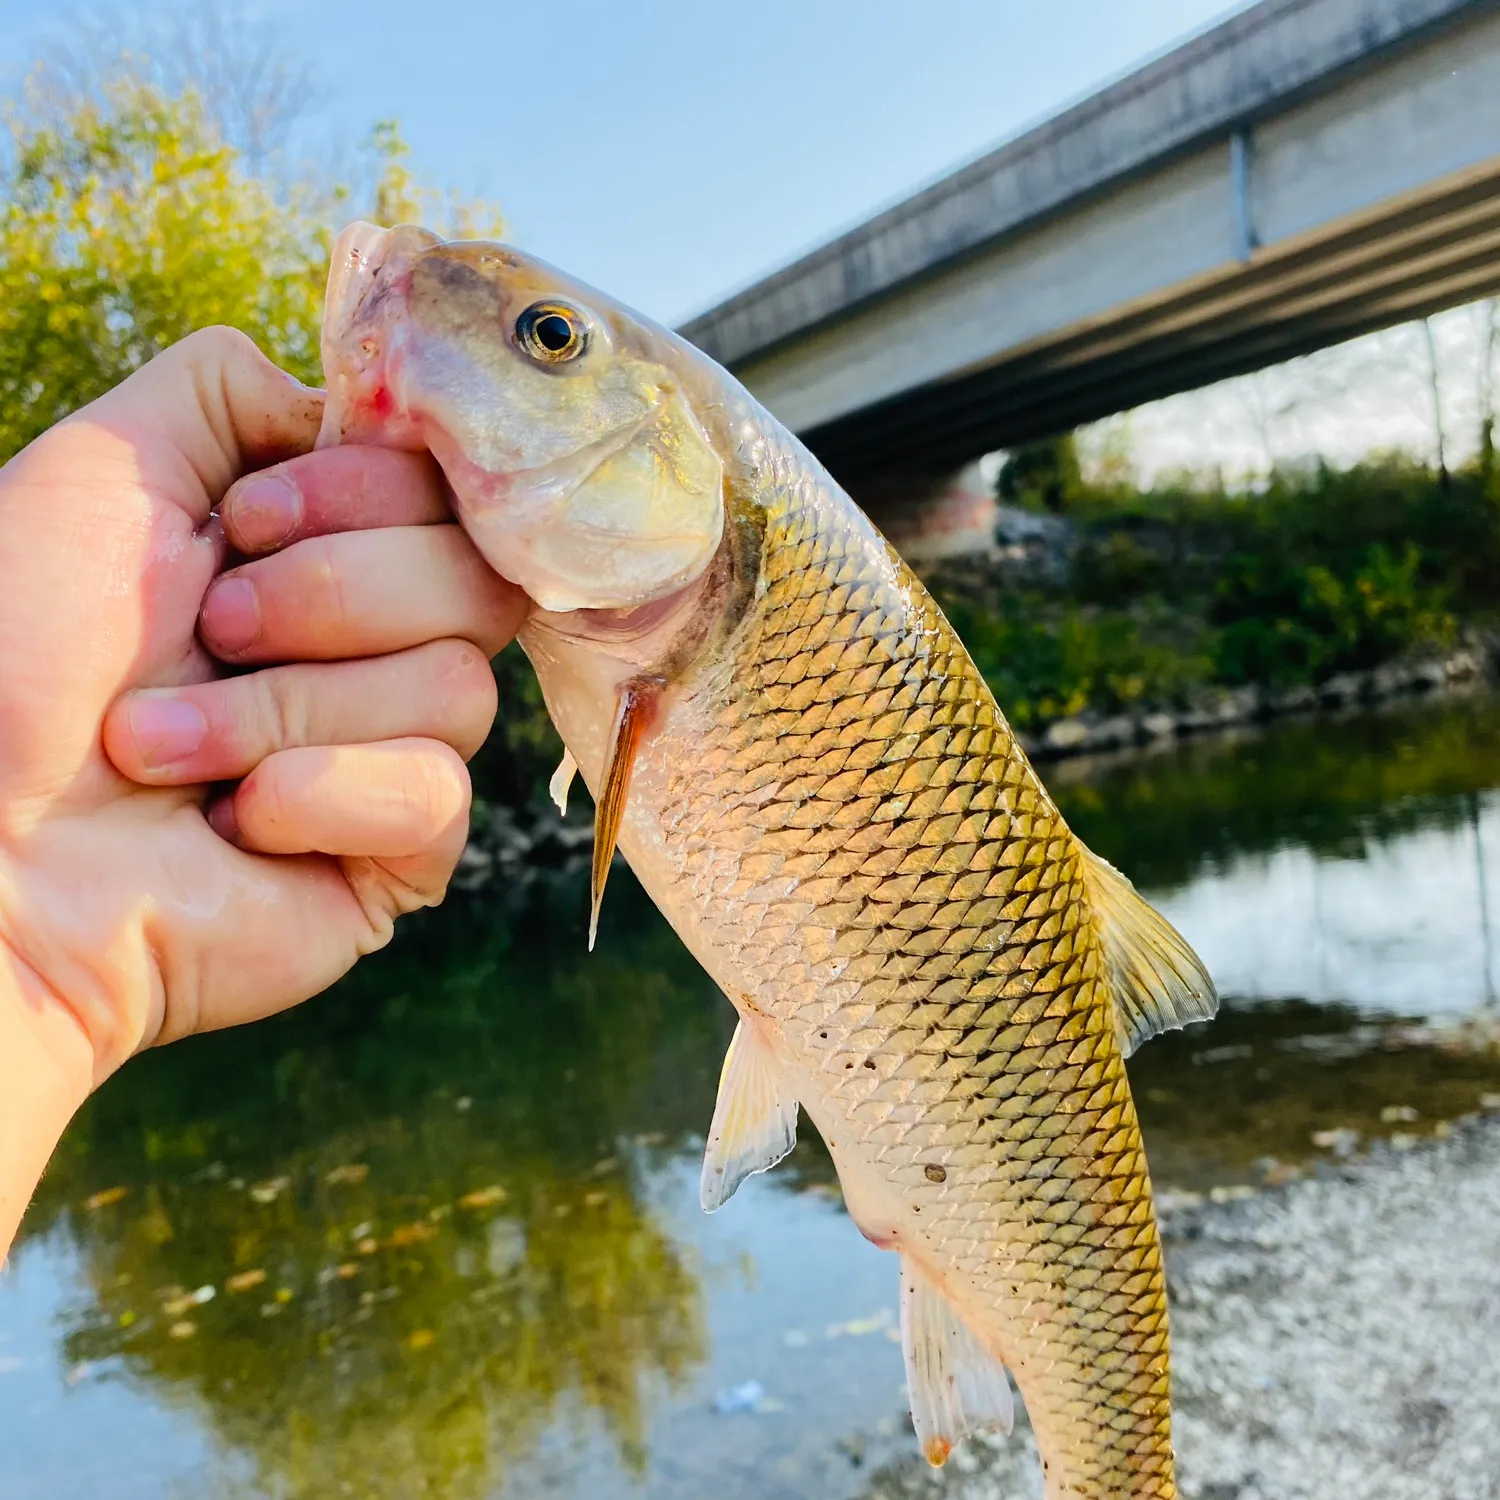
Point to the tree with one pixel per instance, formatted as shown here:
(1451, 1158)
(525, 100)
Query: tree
(1488, 330)
(127, 221)
(1435, 389)
(124, 225)
(1043, 475)
(254, 92)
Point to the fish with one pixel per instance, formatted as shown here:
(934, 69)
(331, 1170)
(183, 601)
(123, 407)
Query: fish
(791, 748)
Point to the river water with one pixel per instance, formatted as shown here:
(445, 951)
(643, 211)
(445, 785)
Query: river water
(437, 1234)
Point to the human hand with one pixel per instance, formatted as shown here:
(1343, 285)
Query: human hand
(133, 908)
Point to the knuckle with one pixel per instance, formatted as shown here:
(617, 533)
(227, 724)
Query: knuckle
(330, 581)
(284, 712)
(217, 343)
(311, 589)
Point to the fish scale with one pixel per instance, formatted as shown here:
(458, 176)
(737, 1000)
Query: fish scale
(815, 785)
(886, 879)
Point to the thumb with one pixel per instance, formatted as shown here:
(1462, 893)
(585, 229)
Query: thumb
(203, 412)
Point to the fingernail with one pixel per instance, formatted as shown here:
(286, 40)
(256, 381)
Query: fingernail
(222, 820)
(165, 729)
(231, 615)
(265, 511)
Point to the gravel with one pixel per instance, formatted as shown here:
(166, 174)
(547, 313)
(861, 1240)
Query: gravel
(1339, 1337)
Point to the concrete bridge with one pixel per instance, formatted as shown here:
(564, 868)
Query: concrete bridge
(1306, 171)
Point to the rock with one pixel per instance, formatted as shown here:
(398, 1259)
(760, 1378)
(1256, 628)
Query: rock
(1159, 726)
(1109, 734)
(1343, 689)
(1461, 666)
(745, 1396)
(1293, 700)
(1389, 680)
(1066, 734)
(1428, 675)
(1193, 720)
(1238, 706)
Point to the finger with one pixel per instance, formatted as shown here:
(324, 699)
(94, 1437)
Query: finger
(268, 931)
(363, 593)
(335, 489)
(399, 800)
(222, 730)
(204, 411)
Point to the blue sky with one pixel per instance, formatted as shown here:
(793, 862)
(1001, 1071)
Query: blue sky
(672, 151)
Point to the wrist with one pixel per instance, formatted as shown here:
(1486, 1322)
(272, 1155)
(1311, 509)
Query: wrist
(46, 1072)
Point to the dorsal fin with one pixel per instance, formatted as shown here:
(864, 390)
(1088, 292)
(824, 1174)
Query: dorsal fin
(1157, 981)
(637, 701)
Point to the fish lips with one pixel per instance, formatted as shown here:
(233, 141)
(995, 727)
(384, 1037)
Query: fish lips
(361, 355)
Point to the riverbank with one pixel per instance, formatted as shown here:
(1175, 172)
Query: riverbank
(1091, 732)
(512, 850)
(1104, 617)
(1337, 1337)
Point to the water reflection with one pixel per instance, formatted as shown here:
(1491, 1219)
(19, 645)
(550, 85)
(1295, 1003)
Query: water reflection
(1333, 786)
(1337, 861)
(437, 1233)
(416, 1216)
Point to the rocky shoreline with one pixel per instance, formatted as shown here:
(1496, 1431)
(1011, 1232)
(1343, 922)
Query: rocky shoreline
(516, 849)
(1089, 733)
(1339, 1336)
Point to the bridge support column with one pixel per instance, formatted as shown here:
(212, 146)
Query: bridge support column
(927, 517)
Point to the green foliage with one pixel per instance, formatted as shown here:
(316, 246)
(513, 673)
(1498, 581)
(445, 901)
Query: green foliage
(1042, 476)
(126, 226)
(1045, 660)
(1170, 592)
(523, 748)
(1289, 624)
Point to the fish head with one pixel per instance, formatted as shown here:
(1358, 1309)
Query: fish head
(563, 422)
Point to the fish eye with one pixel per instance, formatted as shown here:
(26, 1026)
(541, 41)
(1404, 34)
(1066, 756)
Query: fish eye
(552, 333)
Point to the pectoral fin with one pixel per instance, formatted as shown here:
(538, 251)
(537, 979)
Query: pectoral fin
(1159, 983)
(957, 1387)
(562, 779)
(637, 700)
(755, 1119)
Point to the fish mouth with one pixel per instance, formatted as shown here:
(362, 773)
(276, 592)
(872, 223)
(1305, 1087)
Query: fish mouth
(366, 269)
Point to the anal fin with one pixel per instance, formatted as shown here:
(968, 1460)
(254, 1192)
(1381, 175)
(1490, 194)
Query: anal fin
(1158, 982)
(957, 1387)
(755, 1118)
(562, 779)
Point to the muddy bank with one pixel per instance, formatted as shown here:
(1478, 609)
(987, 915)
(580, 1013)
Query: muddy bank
(1338, 1337)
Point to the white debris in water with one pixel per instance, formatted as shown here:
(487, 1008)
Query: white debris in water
(1338, 1337)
